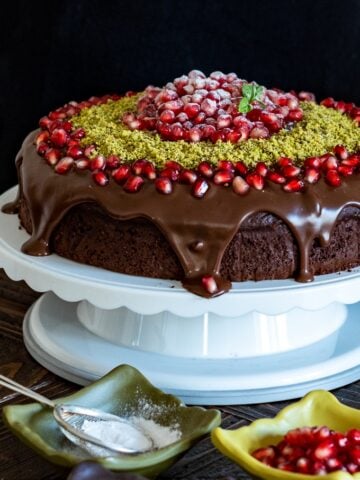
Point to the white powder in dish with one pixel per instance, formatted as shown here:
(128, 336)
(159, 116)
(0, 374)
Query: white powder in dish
(161, 436)
(118, 433)
(134, 435)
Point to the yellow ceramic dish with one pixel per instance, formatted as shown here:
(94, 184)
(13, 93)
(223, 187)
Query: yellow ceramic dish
(316, 408)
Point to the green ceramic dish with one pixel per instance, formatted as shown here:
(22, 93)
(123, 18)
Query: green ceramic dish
(316, 408)
(123, 391)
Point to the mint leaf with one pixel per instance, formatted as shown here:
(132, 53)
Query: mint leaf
(247, 90)
(244, 105)
(259, 90)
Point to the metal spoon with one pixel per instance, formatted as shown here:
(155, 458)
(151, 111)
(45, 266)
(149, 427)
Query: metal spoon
(71, 418)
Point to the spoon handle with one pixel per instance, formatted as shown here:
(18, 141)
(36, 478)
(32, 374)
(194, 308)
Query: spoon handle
(27, 392)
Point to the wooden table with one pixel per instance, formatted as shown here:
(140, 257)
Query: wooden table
(18, 462)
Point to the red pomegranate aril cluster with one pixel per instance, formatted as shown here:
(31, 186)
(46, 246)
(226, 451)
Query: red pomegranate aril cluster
(195, 107)
(314, 451)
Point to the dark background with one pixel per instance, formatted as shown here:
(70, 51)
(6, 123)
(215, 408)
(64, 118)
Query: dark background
(54, 52)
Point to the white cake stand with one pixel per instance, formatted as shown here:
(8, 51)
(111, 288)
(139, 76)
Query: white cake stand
(264, 341)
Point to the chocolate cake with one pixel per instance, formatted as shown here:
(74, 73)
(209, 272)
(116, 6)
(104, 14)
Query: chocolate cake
(206, 180)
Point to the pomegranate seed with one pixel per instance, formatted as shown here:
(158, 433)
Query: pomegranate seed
(266, 454)
(200, 187)
(223, 177)
(345, 170)
(351, 467)
(133, 184)
(355, 112)
(353, 436)
(100, 178)
(261, 168)
(43, 137)
(328, 102)
(171, 173)
(318, 468)
(121, 174)
(98, 163)
(200, 118)
(59, 137)
(295, 115)
(187, 176)
(292, 103)
(325, 450)
(312, 175)
(330, 163)
(149, 171)
(341, 152)
(225, 165)
(167, 116)
(164, 185)
(138, 166)
(194, 134)
(90, 151)
(182, 117)
(73, 143)
(94, 100)
(205, 169)
(82, 164)
(57, 115)
(192, 109)
(233, 136)
(45, 123)
(177, 132)
(352, 160)
(255, 180)
(240, 186)
(254, 114)
(67, 126)
(321, 433)
(174, 105)
(306, 96)
(224, 121)
(333, 464)
(294, 186)
(303, 465)
(275, 177)
(173, 164)
(52, 156)
(284, 162)
(78, 134)
(209, 284)
(333, 179)
(355, 455)
(290, 171)
(341, 106)
(42, 148)
(112, 162)
(259, 132)
(209, 107)
(64, 165)
(165, 130)
(208, 131)
(241, 168)
(312, 162)
(75, 152)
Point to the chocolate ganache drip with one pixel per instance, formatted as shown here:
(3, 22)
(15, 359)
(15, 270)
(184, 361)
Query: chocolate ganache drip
(198, 230)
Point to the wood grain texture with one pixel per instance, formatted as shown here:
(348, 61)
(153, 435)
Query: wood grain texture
(18, 462)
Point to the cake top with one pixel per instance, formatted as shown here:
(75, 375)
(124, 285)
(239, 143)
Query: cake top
(198, 128)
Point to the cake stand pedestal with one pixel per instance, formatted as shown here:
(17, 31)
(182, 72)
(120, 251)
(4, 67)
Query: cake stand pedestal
(263, 341)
